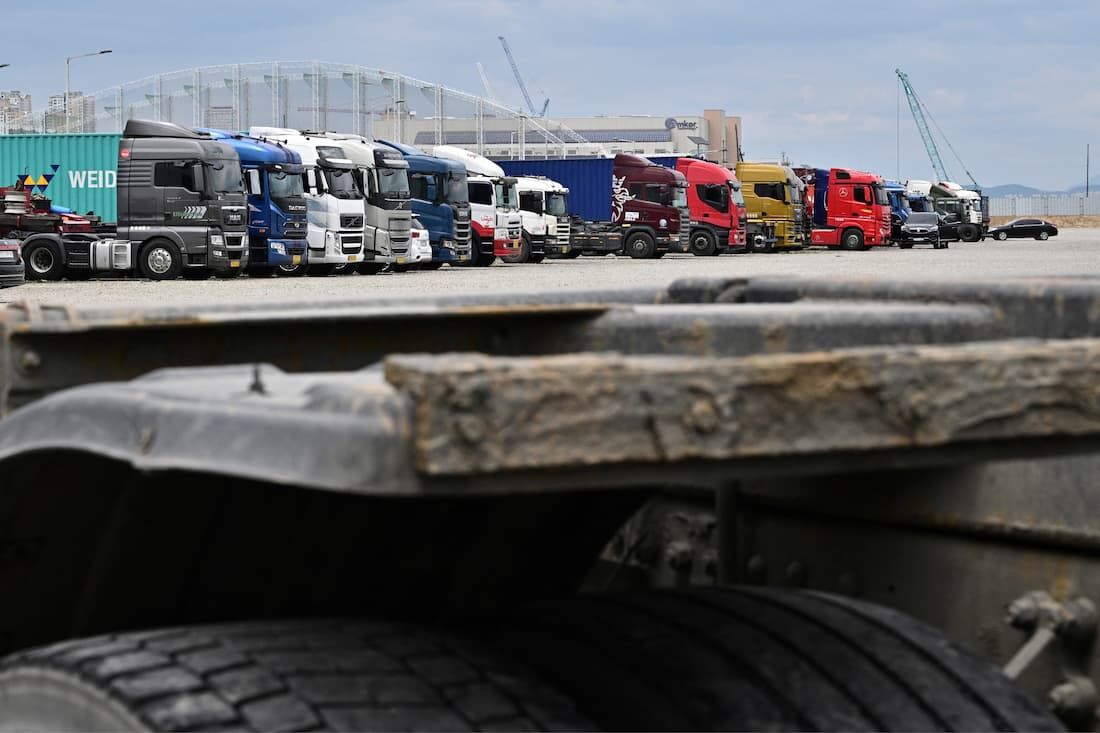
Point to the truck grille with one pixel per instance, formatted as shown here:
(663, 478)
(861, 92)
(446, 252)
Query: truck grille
(296, 229)
(351, 243)
(462, 231)
(234, 240)
(514, 232)
(562, 233)
(351, 221)
(400, 231)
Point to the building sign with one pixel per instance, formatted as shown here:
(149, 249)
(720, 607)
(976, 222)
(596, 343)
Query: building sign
(672, 123)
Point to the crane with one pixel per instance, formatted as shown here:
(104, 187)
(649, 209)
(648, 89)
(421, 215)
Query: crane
(519, 79)
(485, 83)
(918, 108)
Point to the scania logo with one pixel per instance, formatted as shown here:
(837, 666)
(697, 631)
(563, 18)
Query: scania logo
(671, 123)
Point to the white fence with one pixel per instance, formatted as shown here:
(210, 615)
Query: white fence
(1075, 205)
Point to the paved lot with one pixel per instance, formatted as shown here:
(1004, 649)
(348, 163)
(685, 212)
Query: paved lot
(1074, 252)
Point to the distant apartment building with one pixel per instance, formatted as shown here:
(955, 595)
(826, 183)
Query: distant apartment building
(15, 112)
(79, 118)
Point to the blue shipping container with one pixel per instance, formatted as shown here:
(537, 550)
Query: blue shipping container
(588, 181)
(74, 171)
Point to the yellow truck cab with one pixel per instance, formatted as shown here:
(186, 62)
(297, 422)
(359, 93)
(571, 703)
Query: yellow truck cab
(773, 201)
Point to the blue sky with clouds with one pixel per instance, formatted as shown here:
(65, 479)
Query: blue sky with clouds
(1015, 84)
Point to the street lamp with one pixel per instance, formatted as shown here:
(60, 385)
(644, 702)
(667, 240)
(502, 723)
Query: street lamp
(4, 65)
(68, 60)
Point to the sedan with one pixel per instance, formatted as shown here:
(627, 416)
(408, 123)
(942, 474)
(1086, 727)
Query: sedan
(1020, 228)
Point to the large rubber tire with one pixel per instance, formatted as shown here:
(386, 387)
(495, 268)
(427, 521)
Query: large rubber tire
(1043, 236)
(703, 243)
(1002, 236)
(524, 254)
(765, 659)
(852, 240)
(969, 233)
(160, 259)
(292, 270)
(640, 246)
(340, 676)
(42, 260)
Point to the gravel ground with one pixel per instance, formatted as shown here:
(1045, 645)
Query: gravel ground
(1073, 252)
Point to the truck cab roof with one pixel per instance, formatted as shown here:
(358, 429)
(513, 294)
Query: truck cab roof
(254, 150)
(539, 183)
(422, 163)
(705, 171)
(476, 165)
(311, 147)
(366, 152)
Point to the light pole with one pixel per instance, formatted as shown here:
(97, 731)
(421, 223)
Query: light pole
(69, 60)
(4, 65)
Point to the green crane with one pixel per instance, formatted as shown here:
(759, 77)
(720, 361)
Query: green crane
(918, 108)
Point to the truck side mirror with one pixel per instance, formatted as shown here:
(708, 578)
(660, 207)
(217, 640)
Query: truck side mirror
(199, 178)
(252, 176)
(311, 181)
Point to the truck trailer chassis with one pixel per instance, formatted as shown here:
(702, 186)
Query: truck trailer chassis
(728, 504)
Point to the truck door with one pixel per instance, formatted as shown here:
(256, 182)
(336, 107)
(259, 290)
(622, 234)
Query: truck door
(176, 198)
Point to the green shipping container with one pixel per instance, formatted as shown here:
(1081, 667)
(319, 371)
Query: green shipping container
(75, 171)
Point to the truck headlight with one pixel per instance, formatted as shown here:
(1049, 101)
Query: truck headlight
(217, 240)
(278, 248)
(330, 240)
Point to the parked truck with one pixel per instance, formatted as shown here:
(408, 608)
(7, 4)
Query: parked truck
(181, 210)
(544, 207)
(899, 208)
(334, 202)
(812, 505)
(496, 229)
(273, 175)
(625, 205)
(383, 177)
(964, 213)
(774, 206)
(441, 200)
(851, 209)
(717, 205)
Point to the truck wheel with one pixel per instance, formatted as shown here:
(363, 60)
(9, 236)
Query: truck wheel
(342, 676)
(159, 259)
(765, 659)
(853, 240)
(969, 233)
(524, 254)
(703, 243)
(291, 270)
(640, 246)
(43, 261)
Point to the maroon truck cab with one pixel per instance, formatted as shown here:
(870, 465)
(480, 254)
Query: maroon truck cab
(850, 210)
(718, 219)
(648, 204)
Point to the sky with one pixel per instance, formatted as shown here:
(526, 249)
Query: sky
(1014, 84)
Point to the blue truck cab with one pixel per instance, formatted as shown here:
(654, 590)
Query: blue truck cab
(276, 204)
(899, 207)
(440, 199)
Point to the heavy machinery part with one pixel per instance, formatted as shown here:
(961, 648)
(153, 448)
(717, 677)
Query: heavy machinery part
(330, 675)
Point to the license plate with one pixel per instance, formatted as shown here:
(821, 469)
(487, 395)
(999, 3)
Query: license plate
(515, 244)
(296, 260)
(7, 256)
(234, 263)
(400, 260)
(353, 258)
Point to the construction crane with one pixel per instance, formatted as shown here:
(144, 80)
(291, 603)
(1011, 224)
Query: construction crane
(485, 83)
(919, 110)
(519, 80)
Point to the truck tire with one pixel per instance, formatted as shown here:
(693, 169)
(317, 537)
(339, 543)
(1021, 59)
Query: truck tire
(852, 239)
(640, 246)
(292, 270)
(43, 260)
(160, 259)
(524, 254)
(703, 243)
(766, 659)
(277, 676)
(969, 233)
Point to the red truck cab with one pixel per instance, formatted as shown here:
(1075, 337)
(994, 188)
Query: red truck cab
(718, 218)
(850, 209)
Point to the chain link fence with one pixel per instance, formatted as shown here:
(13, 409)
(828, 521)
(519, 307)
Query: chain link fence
(1065, 205)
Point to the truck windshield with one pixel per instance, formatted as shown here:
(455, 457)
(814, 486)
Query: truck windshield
(556, 204)
(506, 196)
(341, 183)
(283, 185)
(226, 177)
(679, 197)
(393, 182)
(457, 190)
(881, 198)
(736, 195)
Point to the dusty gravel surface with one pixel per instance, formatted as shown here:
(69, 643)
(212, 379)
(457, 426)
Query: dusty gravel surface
(1073, 252)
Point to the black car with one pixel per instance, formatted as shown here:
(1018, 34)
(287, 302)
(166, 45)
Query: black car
(1018, 228)
(922, 227)
(11, 263)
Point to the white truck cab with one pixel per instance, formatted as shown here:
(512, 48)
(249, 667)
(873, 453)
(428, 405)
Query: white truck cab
(496, 227)
(544, 208)
(383, 178)
(334, 202)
